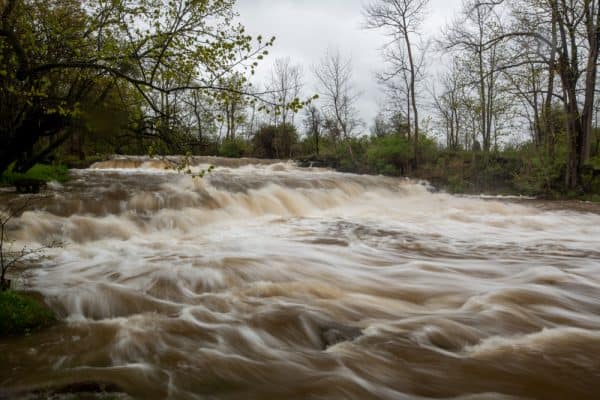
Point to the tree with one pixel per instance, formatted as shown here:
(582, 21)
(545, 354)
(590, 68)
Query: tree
(401, 20)
(577, 21)
(54, 54)
(397, 87)
(532, 82)
(450, 105)
(380, 126)
(470, 35)
(313, 121)
(390, 122)
(275, 141)
(203, 116)
(232, 104)
(284, 88)
(334, 75)
(569, 45)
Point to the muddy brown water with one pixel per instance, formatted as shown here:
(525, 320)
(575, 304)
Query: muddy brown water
(267, 281)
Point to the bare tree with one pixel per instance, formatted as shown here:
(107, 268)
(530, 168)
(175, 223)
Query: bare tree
(470, 36)
(401, 20)
(397, 84)
(533, 80)
(233, 104)
(284, 86)
(450, 105)
(334, 74)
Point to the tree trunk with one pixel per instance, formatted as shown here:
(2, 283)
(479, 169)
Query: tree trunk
(413, 96)
(593, 32)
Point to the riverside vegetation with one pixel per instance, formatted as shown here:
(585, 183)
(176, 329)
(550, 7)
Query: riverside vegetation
(512, 170)
(20, 313)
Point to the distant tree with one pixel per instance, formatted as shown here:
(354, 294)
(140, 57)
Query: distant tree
(313, 122)
(202, 116)
(233, 104)
(390, 123)
(469, 37)
(284, 87)
(401, 21)
(338, 95)
(380, 126)
(454, 107)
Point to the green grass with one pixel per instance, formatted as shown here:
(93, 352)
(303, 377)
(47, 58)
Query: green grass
(41, 172)
(20, 314)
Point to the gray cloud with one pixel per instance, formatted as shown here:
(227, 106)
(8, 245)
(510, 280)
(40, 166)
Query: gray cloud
(306, 28)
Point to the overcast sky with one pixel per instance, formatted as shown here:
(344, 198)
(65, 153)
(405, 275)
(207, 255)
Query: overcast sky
(306, 28)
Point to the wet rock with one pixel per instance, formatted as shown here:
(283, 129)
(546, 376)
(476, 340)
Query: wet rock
(88, 387)
(75, 390)
(29, 185)
(333, 335)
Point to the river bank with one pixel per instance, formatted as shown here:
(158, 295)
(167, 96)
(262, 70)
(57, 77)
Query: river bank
(471, 176)
(454, 175)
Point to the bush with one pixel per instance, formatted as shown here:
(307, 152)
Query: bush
(275, 141)
(389, 155)
(456, 184)
(20, 314)
(428, 150)
(539, 175)
(232, 148)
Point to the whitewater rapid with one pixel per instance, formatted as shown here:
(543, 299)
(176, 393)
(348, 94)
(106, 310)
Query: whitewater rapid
(265, 280)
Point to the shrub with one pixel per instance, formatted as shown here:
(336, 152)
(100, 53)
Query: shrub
(275, 141)
(389, 155)
(233, 148)
(539, 175)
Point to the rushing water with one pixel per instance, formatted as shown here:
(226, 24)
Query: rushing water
(269, 281)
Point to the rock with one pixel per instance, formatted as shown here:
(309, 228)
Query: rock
(75, 390)
(27, 185)
(333, 335)
(88, 387)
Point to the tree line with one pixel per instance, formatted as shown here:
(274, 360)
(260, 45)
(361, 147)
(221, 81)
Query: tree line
(511, 65)
(131, 76)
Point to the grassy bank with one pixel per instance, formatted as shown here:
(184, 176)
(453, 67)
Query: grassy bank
(21, 314)
(39, 172)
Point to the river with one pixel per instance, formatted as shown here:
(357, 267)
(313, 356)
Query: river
(268, 281)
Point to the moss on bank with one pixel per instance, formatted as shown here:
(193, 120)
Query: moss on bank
(21, 314)
(39, 172)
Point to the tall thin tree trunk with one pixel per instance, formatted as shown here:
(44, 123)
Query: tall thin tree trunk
(413, 96)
